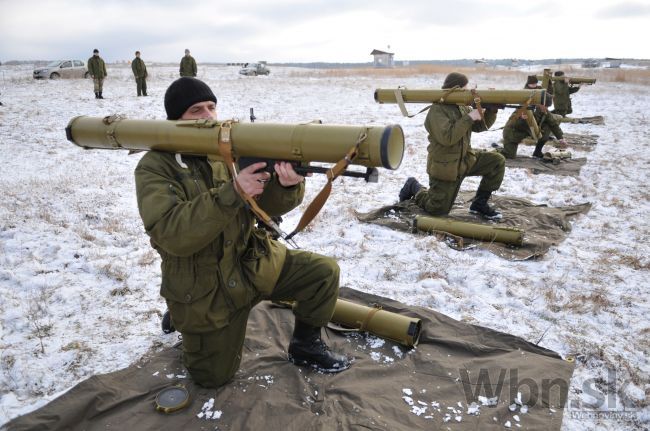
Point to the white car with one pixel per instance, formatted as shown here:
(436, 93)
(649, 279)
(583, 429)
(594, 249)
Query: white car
(254, 69)
(62, 69)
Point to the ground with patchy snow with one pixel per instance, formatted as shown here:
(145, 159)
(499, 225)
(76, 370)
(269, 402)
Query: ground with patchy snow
(79, 281)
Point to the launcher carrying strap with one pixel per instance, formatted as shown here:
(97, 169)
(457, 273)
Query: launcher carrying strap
(225, 149)
(317, 204)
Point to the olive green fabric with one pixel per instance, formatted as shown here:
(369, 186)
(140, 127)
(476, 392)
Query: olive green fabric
(215, 262)
(517, 129)
(97, 67)
(140, 73)
(562, 98)
(188, 66)
(543, 226)
(450, 128)
(451, 158)
(454, 362)
(309, 279)
(98, 85)
(440, 196)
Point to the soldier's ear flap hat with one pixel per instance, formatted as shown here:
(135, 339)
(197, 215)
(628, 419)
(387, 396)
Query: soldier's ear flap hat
(559, 73)
(532, 79)
(185, 92)
(95, 51)
(455, 79)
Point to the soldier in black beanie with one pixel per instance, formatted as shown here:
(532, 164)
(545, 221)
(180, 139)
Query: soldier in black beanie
(451, 158)
(216, 265)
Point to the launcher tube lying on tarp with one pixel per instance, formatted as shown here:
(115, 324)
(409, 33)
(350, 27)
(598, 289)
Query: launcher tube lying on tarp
(384, 324)
(310, 142)
(461, 96)
(481, 232)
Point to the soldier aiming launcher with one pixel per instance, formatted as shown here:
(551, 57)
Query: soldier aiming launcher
(230, 141)
(457, 96)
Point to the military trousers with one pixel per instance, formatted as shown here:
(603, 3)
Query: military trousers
(509, 150)
(98, 83)
(309, 279)
(141, 84)
(440, 196)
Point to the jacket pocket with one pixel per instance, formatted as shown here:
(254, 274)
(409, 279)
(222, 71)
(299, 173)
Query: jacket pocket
(445, 166)
(262, 262)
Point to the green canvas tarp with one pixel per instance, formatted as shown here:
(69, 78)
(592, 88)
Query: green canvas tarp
(543, 226)
(565, 167)
(460, 376)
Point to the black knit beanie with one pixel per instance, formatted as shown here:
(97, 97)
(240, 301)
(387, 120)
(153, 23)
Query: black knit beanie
(455, 79)
(559, 73)
(532, 79)
(185, 92)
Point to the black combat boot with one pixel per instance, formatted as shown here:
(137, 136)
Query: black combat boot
(167, 325)
(538, 149)
(96, 95)
(409, 190)
(308, 349)
(100, 95)
(480, 206)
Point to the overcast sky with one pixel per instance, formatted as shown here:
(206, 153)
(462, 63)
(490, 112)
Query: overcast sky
(324, 30)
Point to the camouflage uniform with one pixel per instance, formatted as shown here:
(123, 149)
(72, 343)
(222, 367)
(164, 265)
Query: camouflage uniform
(451, 158)
(216, 265)
(140, 72)
(97, 70)
(188, 66)
(562, 98)
(517, 129)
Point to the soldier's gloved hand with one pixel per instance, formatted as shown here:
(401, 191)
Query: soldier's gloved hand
(251, 182)
(475, 115)
(287, 176)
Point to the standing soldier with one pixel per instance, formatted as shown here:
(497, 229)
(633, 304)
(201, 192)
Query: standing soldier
(451, 157)
(140, 73)
(97, 70)
(188, 65)
(562, 91)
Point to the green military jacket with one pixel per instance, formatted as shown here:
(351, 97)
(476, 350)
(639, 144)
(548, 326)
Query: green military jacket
(138, 67)
(214, 259)
(188, 66)
(450, 129)
(97, 67)
(517, 129)
(561, 97)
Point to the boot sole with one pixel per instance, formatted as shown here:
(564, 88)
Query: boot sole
(497, 217)
(307, 364)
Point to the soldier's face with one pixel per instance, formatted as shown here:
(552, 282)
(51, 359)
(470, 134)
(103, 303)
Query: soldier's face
(201, 111)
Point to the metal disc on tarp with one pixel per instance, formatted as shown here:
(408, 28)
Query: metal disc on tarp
(172, 399)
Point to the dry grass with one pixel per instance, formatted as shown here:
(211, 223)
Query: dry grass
(635, 76)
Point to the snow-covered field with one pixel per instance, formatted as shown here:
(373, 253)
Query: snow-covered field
(79, 282)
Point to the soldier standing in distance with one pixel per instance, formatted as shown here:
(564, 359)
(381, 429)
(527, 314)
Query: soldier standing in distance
(188, 65)
(140, 72)
(451, 157)
(97, 71)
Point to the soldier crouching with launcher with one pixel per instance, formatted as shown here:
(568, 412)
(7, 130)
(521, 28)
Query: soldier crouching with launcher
(216, 265)
(451, 157)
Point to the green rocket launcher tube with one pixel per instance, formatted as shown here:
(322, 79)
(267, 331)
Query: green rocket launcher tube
(477, 231)
(383, 146)
(385, 324)
(572, 79)
(460, 96)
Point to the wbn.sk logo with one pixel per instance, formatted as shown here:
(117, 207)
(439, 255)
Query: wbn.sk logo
(553, 392)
